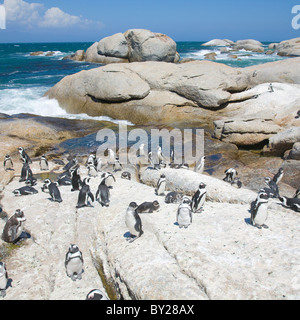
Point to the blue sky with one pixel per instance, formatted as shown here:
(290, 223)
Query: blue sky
(184, 20)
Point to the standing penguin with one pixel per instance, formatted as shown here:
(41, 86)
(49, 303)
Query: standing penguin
(96, 294)
(278, 176)
(74, 262)
(117, 166)
(161, 185)
(44, 166)
(24, 156)
(184, 213)
(259, 210)
(14, 227)
(198, 198)
(230, 173)
(26, 172)
(91, 160)
(85, 194)
(8, 164)
(53, 190)
(76, 180)
(92, 171)
(3, 279)
(133, 221)
(199, 167)
(102, 194)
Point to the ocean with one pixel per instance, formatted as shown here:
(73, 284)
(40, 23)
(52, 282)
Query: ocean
(24, 78)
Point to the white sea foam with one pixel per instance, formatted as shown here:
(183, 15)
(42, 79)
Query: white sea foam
(31, 101)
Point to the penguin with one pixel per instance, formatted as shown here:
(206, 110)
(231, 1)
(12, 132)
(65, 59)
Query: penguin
(58, 162)
(270, 88)
(199, 167)
(91, 160)
(65, 174)
(26, 172)
(126, 175)
(173, 197)
(141, 152)
(230, 173)
(184, 215)
(3, 279)
(31, 181)
(293, 203)
(273, 186)
(76, 180)
(64, 181)
(85, 194)
(160, 156)
(236, 182)
(198, 198)
(278, 176)
(96, 294)
(133, 222)
(53, 190)
(184, 165)
(8, 164)
(102, 194)
(109, 179)
(298, 115)
(254, 74)
(148, 207)
(92, 171)
(269, 191)
(24, 191)
(259, 210)
(24, 156)
(297, 193)
(44, 188)
(44, 166)
(117, 166)
(72, 163)
(14, 227)
(111, 157)
(161, 185)
(74, 262)
(99, 165)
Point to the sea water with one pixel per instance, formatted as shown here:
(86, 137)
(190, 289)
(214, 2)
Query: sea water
(24, 78)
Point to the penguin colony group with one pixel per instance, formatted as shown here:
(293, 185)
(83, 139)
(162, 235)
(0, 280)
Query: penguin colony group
(184, 216)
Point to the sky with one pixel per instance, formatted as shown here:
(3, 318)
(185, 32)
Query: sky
(184, 20)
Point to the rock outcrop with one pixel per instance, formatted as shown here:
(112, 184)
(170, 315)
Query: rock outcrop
(248, 45)
(290, 48)
(219, 43)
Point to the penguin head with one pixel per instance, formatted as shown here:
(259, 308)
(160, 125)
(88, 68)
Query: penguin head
(7, 156)
(73, 248)
(20, 149)
(155, 204)
(86, 181)
(283, 200)
(263, 196)
(185, 200)
(17, 192)
(280, 170)
(133, 205)
(202, 185)
(95, 294)
(47, 182)
(162, 175)
(20, 215)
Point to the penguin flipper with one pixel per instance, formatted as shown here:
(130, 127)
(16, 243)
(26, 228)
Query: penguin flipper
(91, 196)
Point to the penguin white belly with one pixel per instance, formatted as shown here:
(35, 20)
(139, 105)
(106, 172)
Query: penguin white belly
(74, 266)
(201, 203)
(261, 215)
(130, 223)
(184, 218)
(161, 188)
(3, 282)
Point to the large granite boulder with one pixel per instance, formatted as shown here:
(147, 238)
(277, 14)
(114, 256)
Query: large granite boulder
(249, 45)
(133, 45)
(218, 43)
(289, 48)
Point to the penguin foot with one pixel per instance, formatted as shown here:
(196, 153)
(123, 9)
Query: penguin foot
(3, 293)
(265, 226)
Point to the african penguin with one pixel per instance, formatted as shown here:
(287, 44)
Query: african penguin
(85, 194)
(198, 198)
(236, 182)
(96, 294)
(298, 115)
(278, 176)
(31, 181)
(117, 166)
(8, 164)
(126, 175)
(26, 172)
(230, 173)
(173, 197)
(74, 262)
(133, 221)
(184, 215)
(293, 203)
(259, 210)
(24, 191)
(53, 190)
(102, 194)
(91, 160)
(199, 167)
(99, 164)
(161, 185)
(14, 227)
(72, 163)
(141, 151)
(24, 156)
(76, 180)
(273, 186)
(92, 171)
(44, 166)
(64, 180)
(148, 207)
(3, 279)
